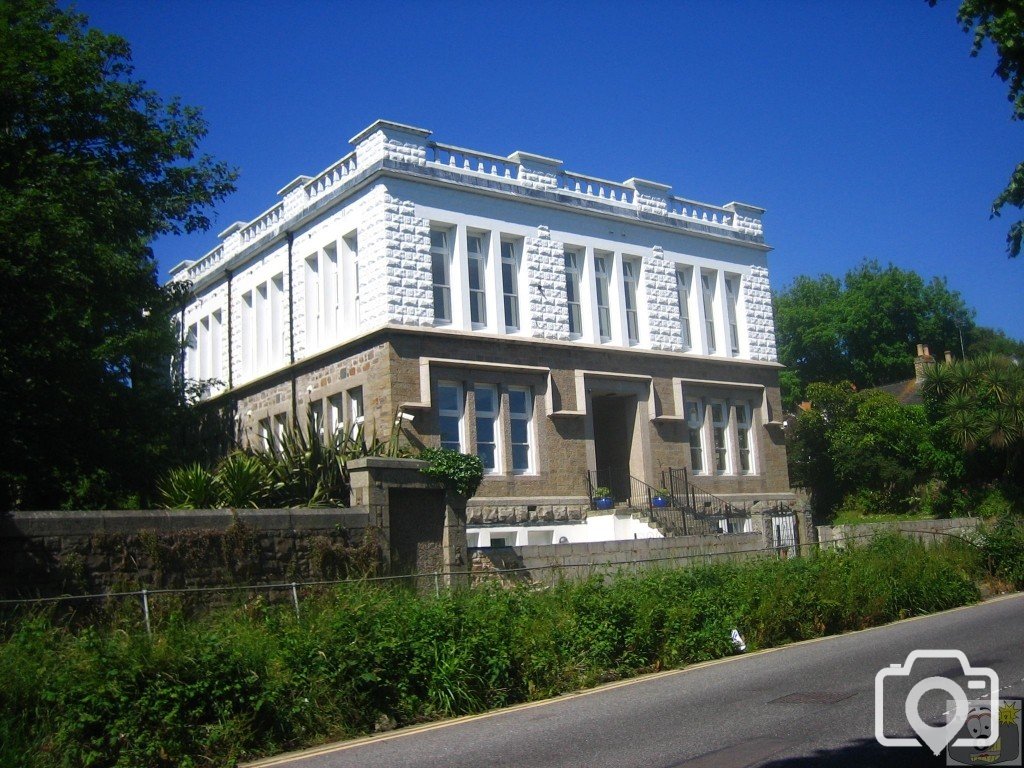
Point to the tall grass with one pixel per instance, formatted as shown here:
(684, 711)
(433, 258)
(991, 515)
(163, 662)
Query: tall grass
(255, 680)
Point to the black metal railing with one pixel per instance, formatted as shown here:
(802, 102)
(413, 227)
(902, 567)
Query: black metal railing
(623, 489)
(698, 501)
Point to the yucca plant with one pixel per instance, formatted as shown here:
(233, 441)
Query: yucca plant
(189, 487)
(304, 469)
(242, 481)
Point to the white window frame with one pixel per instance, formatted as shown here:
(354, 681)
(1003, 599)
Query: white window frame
(314, 302)
(441, 256)
(248, 344)
(216, 342)
(336, 403)
(356, 412)
(478, 292)
(630, 293)
(683, 299)
(603, 284)
(192, 352)
(493, 416)
(695, 416)
(277, 325)
(458, 413)
(573, 263)
(316, 413)
(708, 285)
(732, 290)
(744, 438)
(510, 257)
(720, 437)
(531, 442)
(347, 284)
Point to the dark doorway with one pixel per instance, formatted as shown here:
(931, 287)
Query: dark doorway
(614, 427)
(417, 530)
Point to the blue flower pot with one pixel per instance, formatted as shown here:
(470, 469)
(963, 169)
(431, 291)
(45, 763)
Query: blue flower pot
(604, 502)
(659, 501)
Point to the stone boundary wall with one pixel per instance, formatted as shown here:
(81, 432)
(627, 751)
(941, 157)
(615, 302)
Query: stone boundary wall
(550, 563)
(927, 531)
(52, 553)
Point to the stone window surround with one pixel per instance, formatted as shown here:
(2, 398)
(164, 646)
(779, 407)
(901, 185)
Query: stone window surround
(467, 379)
(344, 388)
(731, 395)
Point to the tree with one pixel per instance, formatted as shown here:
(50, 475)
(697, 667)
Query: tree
(1001, 22)
(860, 449)
(979, 406)
(93, 166)
(863, 329)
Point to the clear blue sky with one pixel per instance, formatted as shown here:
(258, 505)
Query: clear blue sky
(864, 128)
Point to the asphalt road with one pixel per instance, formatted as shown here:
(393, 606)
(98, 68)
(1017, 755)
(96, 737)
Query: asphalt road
(808, 704)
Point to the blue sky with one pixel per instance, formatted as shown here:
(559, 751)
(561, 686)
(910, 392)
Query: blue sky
(865, 128)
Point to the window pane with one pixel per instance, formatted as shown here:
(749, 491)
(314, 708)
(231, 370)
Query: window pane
(520, 432)
(521, 457)
(450, 433)
(475, 279)
(448, 398)
(517, 401)
(509, 285)
(484, 429)
(484, 399)
(486, 454)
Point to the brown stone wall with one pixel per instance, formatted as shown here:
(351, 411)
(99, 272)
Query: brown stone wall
(563, 440)
(48, 553)
(386, 364)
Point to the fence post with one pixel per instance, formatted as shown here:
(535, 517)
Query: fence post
(295, 599)
(145, 612)
(437, 585)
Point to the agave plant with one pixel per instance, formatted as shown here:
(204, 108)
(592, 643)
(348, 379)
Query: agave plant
(189, 487)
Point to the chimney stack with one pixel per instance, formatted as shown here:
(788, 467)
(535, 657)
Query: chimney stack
(923, 361)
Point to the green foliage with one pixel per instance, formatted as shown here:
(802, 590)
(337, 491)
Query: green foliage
(978, 405)
(190, 487)
(93, 166)
(1001, 22)
(301, 468)
(861, 451)
(602, 492)
(460, 472)
(254, 680)
(864, 328)
(241, 480)
(1003, 543)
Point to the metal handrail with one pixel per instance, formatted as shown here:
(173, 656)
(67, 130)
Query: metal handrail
(696, 500)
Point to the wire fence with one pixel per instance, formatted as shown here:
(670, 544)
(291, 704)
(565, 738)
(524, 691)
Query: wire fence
(438, 581)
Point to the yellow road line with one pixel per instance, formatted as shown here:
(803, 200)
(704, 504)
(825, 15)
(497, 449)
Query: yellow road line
(342, 746)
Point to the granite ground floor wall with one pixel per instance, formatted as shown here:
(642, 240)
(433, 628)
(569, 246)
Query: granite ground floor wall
(590, 408)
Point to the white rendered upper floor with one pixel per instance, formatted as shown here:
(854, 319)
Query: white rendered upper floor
(407, 231)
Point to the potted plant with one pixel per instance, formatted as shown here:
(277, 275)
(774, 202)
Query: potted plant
(661, 497)
(603, 497)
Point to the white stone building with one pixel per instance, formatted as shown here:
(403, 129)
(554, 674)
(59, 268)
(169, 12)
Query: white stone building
(549, 321)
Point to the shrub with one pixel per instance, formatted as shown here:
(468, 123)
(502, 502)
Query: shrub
(253, 680)
(459, 472)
